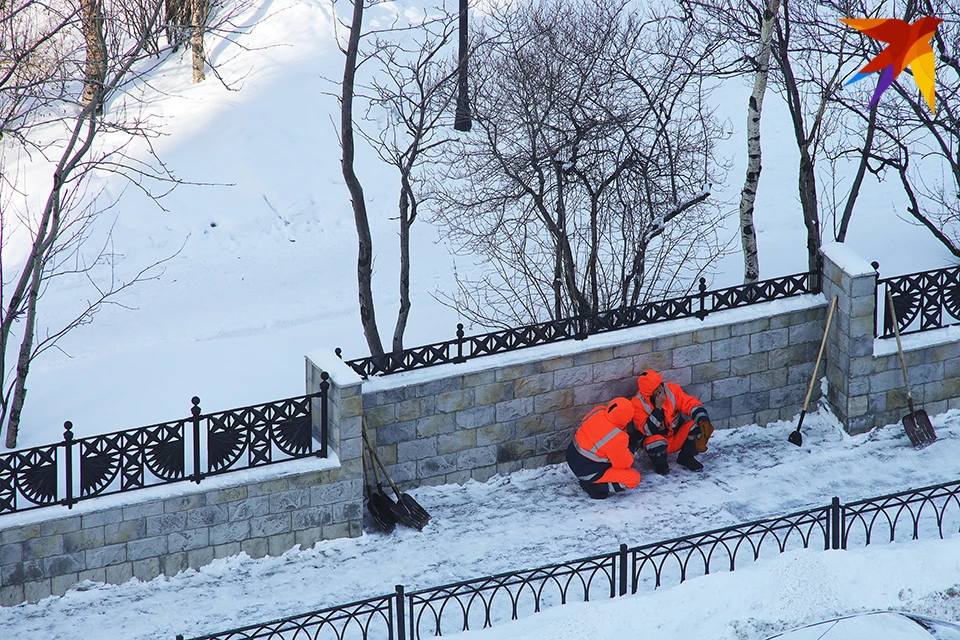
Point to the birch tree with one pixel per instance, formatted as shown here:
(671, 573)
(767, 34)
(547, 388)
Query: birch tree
(748, 196)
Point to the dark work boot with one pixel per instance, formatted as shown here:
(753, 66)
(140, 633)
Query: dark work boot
(659, 461)
(686, 457)
(595, 491)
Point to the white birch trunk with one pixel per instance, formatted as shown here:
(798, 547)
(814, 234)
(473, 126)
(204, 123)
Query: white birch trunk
(748, 236)
(200, 9)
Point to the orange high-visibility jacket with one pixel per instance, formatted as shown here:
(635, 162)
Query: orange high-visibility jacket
(601, 436)
(678, 408)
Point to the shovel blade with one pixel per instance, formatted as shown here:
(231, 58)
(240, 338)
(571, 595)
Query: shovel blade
(408, 512)
(919, 428)
(796, 438)
(379, 508)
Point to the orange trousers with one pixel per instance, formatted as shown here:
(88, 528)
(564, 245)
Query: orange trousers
(675, 441)
(629, 478)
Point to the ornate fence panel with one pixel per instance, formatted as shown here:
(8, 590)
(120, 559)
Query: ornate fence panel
(29, 479)
(128, 460)
(478, 604)
(257, 435)
(677, 560)
(697, 305)
(923, 301)
(371, 619)
(187, 449)
(928, 512)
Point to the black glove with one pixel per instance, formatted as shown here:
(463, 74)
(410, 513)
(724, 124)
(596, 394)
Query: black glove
(636, 438)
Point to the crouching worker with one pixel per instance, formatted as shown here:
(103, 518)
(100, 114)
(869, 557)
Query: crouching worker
(600, 454)
(670, 420)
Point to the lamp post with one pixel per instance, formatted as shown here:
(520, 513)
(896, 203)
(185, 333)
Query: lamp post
(462, 120)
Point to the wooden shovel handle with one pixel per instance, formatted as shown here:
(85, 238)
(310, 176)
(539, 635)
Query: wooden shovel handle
(903, 364)
(376, 456)
(816, 365)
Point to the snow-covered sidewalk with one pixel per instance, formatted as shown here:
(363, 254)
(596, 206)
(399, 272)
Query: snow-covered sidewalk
(537, 517)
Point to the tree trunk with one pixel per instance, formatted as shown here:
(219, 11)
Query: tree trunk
(23, 361)
(96, 53)
(858, 179)
(200, 10)
(364, 240)
(407, 215)
(748, 236)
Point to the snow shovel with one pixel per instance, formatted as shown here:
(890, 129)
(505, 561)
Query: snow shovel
(917, 422)
(796, 437)
(378, 504)
(406, 510)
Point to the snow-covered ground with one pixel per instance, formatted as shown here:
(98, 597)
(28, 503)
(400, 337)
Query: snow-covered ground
(537, 517)
(235, 311)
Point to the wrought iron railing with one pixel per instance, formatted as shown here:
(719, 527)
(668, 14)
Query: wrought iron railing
(923, 301)
(677, 560)
(371, 619)
(475, 604)
(697, 305)
(478, 604)
(925, 512)
(188, 449)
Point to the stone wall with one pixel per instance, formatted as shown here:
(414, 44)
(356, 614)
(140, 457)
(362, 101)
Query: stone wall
(168, 528)
(502, 413)
(866, 383)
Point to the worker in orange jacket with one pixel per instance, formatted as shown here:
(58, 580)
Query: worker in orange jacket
(669, 420)
(600, 454)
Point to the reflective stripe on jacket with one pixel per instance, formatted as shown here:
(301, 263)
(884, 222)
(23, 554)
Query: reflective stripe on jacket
(678, 408)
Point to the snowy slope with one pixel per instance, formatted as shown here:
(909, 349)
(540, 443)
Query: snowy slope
(235, 310)
(537, 517)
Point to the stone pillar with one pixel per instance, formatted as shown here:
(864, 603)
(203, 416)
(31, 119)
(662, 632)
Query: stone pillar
(344, 411)
(849, 352)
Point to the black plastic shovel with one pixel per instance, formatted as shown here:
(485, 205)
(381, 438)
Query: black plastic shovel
(917, 422)
(406, 510)
(378, 504)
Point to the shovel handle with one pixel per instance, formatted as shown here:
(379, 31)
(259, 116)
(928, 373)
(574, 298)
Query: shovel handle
(376, 456)
(903, 364)
(816, 365)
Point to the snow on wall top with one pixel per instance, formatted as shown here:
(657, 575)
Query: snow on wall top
(847, 259)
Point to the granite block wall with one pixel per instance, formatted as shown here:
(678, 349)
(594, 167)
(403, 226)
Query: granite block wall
(145, 538)
(455, 422)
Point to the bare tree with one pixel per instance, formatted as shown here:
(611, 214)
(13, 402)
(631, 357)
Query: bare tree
(748, 196)
(408, 111)
(590, 132)
(67, 102)
(368, 318)
(900, 133)
(199, 13)
(406, 97)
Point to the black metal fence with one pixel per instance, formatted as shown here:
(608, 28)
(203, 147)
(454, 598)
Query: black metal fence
(923, 301)
(698, 305)
(475, 604)
(188, 449)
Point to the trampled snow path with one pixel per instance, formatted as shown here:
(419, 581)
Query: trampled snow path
(528, 519)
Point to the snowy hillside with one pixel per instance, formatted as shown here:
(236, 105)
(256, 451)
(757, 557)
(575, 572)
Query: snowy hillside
(267, 269)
